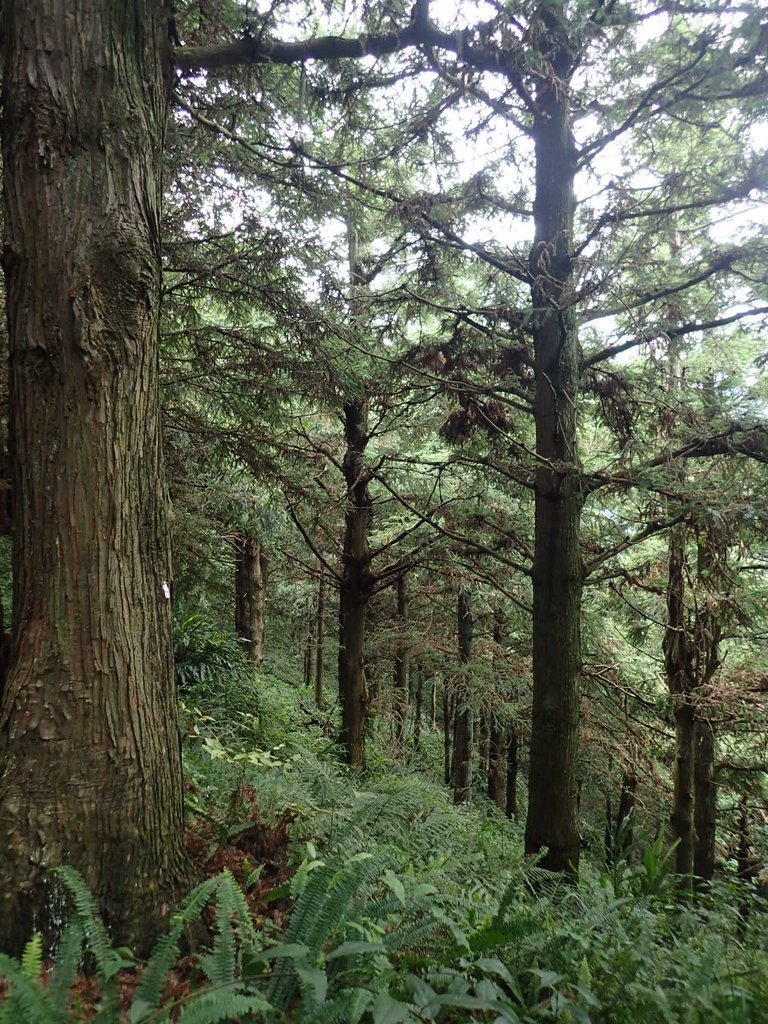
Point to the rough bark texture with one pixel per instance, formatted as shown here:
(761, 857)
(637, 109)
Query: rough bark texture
(89, 743)
(401, 667)
(552, 822)
(250, 596)
(464, 721)
(355, 587)
(705, 800)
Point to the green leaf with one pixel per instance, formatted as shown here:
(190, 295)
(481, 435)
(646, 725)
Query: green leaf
(314, 979)
(32, 957)
(387, 1010)
(354, 948)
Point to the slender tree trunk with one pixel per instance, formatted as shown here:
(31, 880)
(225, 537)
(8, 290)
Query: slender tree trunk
(705, 800)
(447, 735)
(463, 733)
(625, 815)
(355, 588)
(497, 774)
(89, 741)
(418, 672)
(512, 746)
(484, 745)
(678, 667)
(319, 641)
(712, 556)
(357, 579)
(683, 794)
(309, 649)
(401, 675)
(250, 593)
(557, 570)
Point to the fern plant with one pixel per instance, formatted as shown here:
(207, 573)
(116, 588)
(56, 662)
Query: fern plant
(29, 1001)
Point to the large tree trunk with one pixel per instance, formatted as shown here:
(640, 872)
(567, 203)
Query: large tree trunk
(464, 722)
(557, 572)
(89, 742)
(355, 587)
(401, 666)
(250, 596)
(705, 800)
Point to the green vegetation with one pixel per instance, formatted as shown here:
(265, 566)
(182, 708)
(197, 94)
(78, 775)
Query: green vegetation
(395, 906)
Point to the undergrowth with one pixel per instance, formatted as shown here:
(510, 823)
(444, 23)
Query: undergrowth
(401, 907)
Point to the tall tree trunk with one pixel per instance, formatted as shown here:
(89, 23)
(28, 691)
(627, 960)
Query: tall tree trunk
(447, 734)
(309, 649)
(418, 672)
(355, 587)
(464, 725)
(683, 791)
(512, 749)
(624, 831)
(401, 680)
(89, 741)
(679, 672)
(250, 593)
(484, 744)
(712, 557)
(497, 774)
(705, 800)
(557, 570)
(319, 642)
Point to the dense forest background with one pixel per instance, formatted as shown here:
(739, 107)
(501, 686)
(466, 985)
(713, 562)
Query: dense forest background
(409, 458)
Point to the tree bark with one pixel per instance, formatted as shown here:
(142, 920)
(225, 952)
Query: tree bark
(679, 672)
(319, 642)
(497, 775)
(355, 587)
(401, 666)
(447, 735)
(557, 571)
(419, 701)
(705, 800)
(309, 649)
(250, 596)
(512, 746)
(89, 741)
(464, 723)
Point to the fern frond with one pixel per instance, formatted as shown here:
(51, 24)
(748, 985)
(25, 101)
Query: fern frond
(214, 1005)
(108, 961)
(219, 964)
(347, 1008)
(150, 991)
(32, 957)
(26, 1002)
(68, 960)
